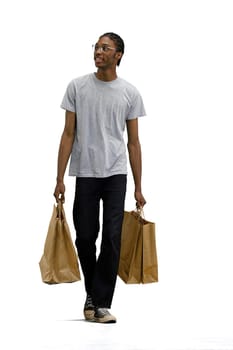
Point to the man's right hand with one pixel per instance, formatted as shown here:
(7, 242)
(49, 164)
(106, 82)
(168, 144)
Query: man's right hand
(59, 192)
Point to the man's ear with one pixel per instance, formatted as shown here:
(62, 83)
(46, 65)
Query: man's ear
(118, 55)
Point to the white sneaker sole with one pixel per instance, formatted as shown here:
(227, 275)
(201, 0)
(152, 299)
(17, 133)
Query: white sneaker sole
(107, 319)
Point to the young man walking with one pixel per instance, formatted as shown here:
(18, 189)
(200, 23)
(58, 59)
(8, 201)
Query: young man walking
(98, 107)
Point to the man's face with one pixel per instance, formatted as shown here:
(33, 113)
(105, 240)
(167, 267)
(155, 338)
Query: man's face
(105, 54)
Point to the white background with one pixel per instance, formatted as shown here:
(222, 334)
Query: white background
(179, 54)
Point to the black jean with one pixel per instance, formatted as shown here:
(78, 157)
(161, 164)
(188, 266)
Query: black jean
(100, 272)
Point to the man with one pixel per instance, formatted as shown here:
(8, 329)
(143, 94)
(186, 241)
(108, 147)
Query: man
(98, 107)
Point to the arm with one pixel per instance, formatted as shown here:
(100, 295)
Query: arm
(64, 152)
(135, 159)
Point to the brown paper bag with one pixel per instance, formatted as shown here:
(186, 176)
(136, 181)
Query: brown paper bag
(130, 262)
(138, 256)
(59, 262)
(149, 252)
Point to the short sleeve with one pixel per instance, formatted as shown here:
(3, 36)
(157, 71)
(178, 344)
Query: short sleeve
(137, 108)
(68, 102)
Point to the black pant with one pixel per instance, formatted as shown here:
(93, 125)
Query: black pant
(99, 273)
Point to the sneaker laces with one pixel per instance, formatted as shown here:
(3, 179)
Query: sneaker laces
(89, 302)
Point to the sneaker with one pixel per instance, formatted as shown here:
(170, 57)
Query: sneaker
(89, 309)
(102, 315)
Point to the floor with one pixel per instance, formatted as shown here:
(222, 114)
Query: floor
(150, 317)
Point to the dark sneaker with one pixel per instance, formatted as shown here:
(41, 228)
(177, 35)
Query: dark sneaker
(102, 315)
(89, 309)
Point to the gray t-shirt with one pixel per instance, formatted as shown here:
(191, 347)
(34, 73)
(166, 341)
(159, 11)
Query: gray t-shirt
(102, 109)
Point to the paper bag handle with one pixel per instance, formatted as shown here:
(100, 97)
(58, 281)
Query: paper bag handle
(59, 209)
(140, 212)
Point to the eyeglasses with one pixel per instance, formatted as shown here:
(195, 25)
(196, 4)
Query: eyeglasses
(103, 48)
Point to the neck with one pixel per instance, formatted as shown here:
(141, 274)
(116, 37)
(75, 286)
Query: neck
(106, 75)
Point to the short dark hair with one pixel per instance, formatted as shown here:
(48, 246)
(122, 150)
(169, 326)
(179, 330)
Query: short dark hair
(118, 41)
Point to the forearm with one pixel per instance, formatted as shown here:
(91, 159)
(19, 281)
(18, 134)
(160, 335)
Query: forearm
(135, 159)
(64, 152)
